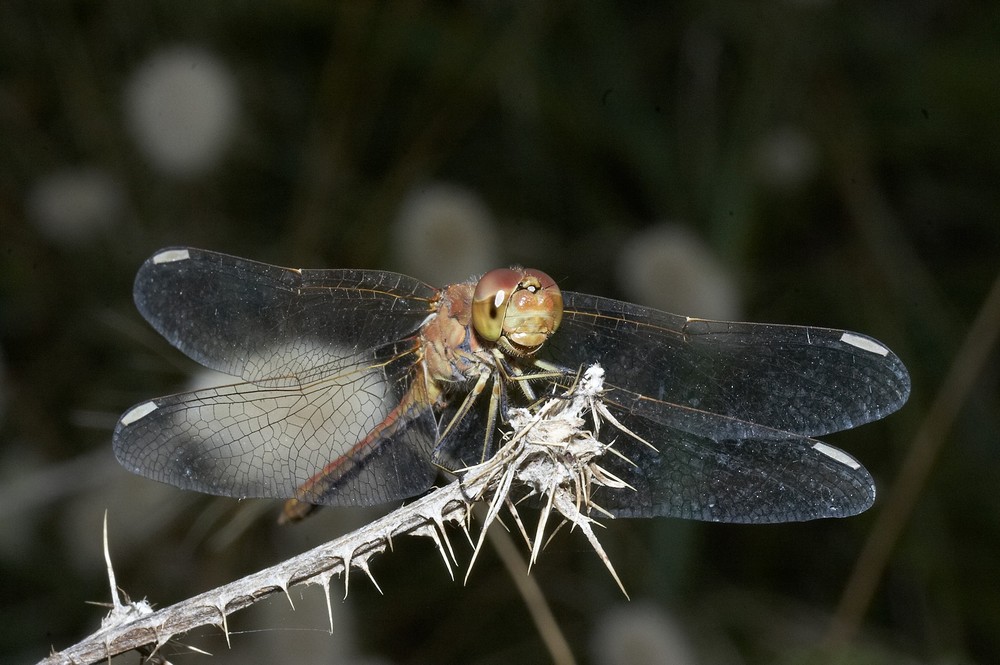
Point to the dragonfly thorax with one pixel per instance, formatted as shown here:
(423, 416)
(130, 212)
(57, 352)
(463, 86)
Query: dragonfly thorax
(516, 308)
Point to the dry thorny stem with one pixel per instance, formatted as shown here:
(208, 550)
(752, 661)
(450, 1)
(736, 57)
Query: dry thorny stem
(551, 456)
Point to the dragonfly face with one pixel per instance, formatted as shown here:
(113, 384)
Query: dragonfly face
(353, 386)
(516, 308)
(508, 313)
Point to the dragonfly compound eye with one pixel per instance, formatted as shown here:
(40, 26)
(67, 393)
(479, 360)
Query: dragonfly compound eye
(518, 309)
(489, 303)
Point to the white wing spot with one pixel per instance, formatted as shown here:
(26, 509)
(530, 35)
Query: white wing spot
(864, 343)
(139, 412)
(172, 255)
(836, 454)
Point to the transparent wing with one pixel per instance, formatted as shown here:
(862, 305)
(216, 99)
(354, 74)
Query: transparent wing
(268, 438)
(327, 356)
(258, 321)
(730, 408)
(797, 379)
(701, 472)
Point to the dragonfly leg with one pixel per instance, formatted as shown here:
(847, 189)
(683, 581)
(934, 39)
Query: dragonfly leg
(467, 403)
(513, 373)
(496, 396)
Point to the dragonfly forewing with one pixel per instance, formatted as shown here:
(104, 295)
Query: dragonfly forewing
(258, 321)
(796, 379)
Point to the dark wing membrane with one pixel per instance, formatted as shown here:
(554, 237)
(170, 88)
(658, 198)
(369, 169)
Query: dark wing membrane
(801, 380)
(266, 439)
(761, 478)
(259, 321)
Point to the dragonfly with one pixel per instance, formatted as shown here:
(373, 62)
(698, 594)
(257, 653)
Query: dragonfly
(357, 387)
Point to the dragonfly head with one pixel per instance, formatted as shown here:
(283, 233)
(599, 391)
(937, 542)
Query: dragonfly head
(517, 308)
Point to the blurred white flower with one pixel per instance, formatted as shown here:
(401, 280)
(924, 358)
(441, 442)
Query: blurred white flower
(669, 268)
(72, 205)
(786, 158)
(444, 234)
(182, 109)
(640, 634)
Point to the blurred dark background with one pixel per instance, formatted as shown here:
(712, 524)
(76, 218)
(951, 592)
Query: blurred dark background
(806, 161)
